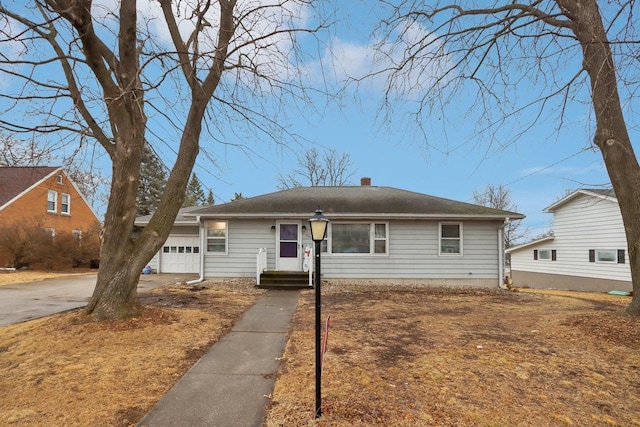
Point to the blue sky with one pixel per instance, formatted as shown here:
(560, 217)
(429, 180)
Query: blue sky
(538, 169)
(454, 161)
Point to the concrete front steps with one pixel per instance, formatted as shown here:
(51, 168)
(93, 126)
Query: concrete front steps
(284, 280)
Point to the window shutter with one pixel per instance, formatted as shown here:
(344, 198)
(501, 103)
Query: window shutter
(535, 254)
(592, 255)
(553, 254)
(621, 256)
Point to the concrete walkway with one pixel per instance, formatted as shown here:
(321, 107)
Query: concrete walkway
(229, 386)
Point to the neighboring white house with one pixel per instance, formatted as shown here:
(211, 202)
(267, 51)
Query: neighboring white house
(587, 252)
(375, 233)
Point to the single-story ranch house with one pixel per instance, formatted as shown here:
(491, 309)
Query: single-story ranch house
(374, 234)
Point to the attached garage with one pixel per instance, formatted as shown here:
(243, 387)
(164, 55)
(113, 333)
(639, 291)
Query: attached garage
(180, 254)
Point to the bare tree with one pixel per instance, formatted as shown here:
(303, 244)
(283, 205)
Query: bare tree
(500, 198)
(520, 63)
(319, 169)
(15, 152)
(108, 71)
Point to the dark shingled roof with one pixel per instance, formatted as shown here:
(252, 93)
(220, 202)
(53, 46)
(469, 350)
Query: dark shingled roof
(14, 180)
(351, 201)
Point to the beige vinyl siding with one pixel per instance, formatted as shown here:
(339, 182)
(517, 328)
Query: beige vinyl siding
(413, 254)
(246, 237)
(581, 224)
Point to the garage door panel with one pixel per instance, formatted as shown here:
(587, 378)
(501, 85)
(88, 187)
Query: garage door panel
(180, 254)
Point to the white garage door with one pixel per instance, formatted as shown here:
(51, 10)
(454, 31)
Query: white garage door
(180, 254)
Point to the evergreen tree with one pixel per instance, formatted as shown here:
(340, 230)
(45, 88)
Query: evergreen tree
(194, 194)
(210, 199)
(153, 179)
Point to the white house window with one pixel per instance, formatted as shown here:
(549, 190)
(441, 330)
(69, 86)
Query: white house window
(217, 236)
(380, 239)
(613, 256)
(606, 255)
(358, 238)
(544, 254)
(60, 181)
(50, 231)
(52, 201)
(65, 204)
(450, 239)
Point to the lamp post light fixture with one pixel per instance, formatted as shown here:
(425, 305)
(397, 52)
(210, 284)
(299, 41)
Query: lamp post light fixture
(318, 224)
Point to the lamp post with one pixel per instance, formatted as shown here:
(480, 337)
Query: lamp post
(318, 224)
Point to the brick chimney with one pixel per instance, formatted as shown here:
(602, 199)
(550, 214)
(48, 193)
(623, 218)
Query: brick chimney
(365, 182)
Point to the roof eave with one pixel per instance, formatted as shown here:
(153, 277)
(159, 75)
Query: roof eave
(361, 216)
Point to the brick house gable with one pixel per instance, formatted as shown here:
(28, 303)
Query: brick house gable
(26, 191)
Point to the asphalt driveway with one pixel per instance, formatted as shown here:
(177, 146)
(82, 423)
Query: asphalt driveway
(26, 301)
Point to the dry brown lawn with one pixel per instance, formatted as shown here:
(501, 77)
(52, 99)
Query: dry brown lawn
(398, 356)
(443, 357)
(65, 370)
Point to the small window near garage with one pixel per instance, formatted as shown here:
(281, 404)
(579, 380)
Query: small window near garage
(173, 249)
(52, 201)
(65, 205)
(196, 250)
(187, 250)
(217, 237)
(165, 249)
(450, 239)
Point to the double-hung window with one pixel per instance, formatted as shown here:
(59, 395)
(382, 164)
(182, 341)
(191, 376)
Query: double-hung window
(65, 204)
(450, 238)
(359, 238)
(52, 201)
(216, 237)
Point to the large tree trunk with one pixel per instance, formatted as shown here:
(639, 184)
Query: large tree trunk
(611, 133)
(123, 255)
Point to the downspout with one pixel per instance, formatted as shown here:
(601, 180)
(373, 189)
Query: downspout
(201, 236)
(501, 253)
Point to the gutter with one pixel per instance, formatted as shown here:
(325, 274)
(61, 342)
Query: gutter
(501, 253)
(200, 235)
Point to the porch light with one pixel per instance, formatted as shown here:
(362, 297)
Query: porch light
(318, 224)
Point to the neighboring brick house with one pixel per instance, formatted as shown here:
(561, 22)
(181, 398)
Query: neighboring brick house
(43, 195)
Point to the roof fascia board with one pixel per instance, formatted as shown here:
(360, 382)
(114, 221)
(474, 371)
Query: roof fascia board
(358, 216)
(25, 191)
(532, 243)
(575, 194)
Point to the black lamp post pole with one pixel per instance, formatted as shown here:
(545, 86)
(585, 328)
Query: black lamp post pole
(318, 333)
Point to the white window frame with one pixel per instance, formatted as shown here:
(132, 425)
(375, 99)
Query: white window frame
(328, 247)
(207, 238)
(460, 239)
(53, 193)
(60, 179)
(613, 261)
(68, 204)
(541, 258)
(51, 231)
